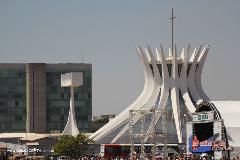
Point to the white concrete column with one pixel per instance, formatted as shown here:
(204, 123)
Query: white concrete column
(71, 80)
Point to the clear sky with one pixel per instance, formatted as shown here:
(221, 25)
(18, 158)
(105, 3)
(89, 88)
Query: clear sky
(107, 32)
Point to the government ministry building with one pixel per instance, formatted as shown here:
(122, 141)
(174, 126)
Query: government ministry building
(32, 99)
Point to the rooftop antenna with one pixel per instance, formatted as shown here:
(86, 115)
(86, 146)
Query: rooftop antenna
(172, 18)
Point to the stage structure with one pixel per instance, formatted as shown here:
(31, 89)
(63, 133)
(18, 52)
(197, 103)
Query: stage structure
(171, 83)
(72, 79)
(142, 135)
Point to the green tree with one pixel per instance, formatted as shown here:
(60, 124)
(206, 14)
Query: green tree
(70, 146)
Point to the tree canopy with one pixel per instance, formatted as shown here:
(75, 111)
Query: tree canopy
(70, 146)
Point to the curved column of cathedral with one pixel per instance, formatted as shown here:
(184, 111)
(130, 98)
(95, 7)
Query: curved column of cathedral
(183, 82)
(164, 88)
(141, 101)
(175, 96)
(192, 76)
(166, 80)
(201, 61)
(123, 114)
(151, 101)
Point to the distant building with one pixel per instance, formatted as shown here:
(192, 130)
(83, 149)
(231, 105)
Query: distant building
(104, 116)
(32, 99)
(99, 121)
(107, 116)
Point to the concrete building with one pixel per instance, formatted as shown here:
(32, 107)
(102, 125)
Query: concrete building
(32, 99)
(104, 116)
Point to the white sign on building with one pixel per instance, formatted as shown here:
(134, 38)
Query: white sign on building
(204, 116)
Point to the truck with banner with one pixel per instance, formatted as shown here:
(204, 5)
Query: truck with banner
(205, 134)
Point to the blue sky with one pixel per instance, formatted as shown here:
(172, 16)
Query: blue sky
(107, 32)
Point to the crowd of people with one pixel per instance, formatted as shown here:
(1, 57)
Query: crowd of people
(135, 157)
(179, 157)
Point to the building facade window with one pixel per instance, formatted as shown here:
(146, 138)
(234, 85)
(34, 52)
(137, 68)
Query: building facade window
(13, 97)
